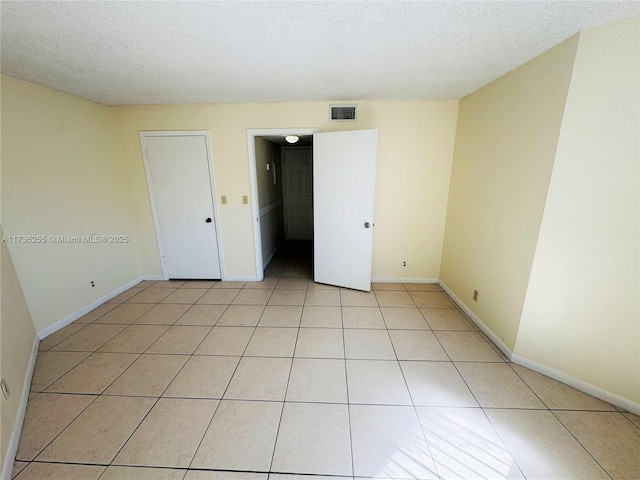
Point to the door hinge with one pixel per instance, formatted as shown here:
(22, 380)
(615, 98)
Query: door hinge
(164, 258)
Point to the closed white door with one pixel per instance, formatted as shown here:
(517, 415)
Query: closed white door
(180, 185)
(298, 186)
(344, 174)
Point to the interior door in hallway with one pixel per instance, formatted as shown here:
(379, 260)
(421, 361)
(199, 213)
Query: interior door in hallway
(298, 194)
(181, 189)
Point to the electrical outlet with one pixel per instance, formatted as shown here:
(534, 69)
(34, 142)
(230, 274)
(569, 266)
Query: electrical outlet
(245, 199)
(475, 295)
(93, 284)
(5, 389)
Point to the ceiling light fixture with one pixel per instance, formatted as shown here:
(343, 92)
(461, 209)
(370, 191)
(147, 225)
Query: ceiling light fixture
(292, 138)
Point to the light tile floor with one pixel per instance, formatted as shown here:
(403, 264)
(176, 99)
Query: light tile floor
(287, 378)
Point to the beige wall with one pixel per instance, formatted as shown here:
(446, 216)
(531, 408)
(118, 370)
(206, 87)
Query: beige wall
(582, 311)
(505, 146)
(60, 176)
(268, 153)
(414, 160)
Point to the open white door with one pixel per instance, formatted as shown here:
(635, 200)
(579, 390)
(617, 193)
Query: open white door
(344, 174)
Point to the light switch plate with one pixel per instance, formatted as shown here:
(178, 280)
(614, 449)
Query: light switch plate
(245, 199)
(223, 199)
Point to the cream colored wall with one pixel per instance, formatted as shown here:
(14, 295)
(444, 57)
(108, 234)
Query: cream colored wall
(505, 146)
(267, 153)
(582, 311)
(60, 176)
(414, 160)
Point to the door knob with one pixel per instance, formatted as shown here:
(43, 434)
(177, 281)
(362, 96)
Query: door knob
(367, 225)
(208, 220)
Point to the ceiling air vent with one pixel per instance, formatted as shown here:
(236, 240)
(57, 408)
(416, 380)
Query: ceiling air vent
(342, 113)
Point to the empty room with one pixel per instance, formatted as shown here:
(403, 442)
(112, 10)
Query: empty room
(291, 240)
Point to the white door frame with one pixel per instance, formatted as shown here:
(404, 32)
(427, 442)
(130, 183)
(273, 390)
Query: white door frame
(181, 133)
(253, 177)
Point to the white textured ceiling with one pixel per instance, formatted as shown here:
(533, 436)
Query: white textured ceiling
(144, 52)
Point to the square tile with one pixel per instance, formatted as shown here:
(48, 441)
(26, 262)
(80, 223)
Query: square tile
(431, 299)
(388, 442)
(436, 384)
(202, 315)
(388, 298)
(50, 366)
(317, 316)
(126, 313)
(313, 438)
(403, 318)
(151, 295)
(126, 295)
(355, 298)
(321, 286)
(417, 345)
(230, 285)
(467, 347)
(185, 295)
(259, 379)
(47, 415)
(281, 316)
(115, 472)
(94, 374)
(96, 313)
(184, 421)
(317, 380)
(241, 436)
(319, 297)
(446, 319)
(148, 376)
(387, 286)
(225, 341)
(495, 385)
(57, 337)
(134, 339)
(292, 284)
(203, 377)
(368, 344)
(168, 284)
(219, 295)
(272, 342)
(98, 432)
(204, 284)
(89, 339)
(255, 296)
(287, 297)
(163, 314)
(56, 471)
(320, 343)
(268, 283)
(18, 466)
(376, 382)
(362, 317)
(240, 316)
(180, 340)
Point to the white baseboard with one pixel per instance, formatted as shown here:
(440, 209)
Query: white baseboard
(14, 439)
(403, 280)
(240, 279)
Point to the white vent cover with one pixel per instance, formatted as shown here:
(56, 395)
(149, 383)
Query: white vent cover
(342, 113)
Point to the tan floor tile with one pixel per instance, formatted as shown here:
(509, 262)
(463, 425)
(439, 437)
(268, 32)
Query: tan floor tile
(281, 316)
(292, 284)
(431, 300)
(219, 295)
(403, 318)
(635, 419)
(388, 298)
(278, 476)
(18, 466)
(467, 347)
(557, 395)
(317, 380)
(225, 341)
(368, 344)
(354, 298)
(59, 471)
(142, 473)
(464, 444)
(313, 438)
(168, 284)
(320, 286)
(134, 339)
(417, 345)
(180, 340)
(96, 313)
(148, 376)
(253, 296)
(151, 295)
(328, 317)
(542, 447)
(495, 385)
(57, 337)
(362, 317)
(259, 379)
(203, 377)
(446, 319)
(204, 284)
(184, 421)
(612, 440)
(213, 475)
(241, 436)
(268, 283)
(422, 287)
(320, 343)
(272, 342)
(376, 382)
(163, 314)
(202, 315)
(94, 374)
(287, 297)
(51, 365)
(90, 338)
(230, 285)
(99, 432)
(126, 295)
(147, 283)
(47, 415)
(321, 297)
(378, 286)
(241, 316)
(388, 442)
(436, 384)
(126, 313)
(185, 295)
